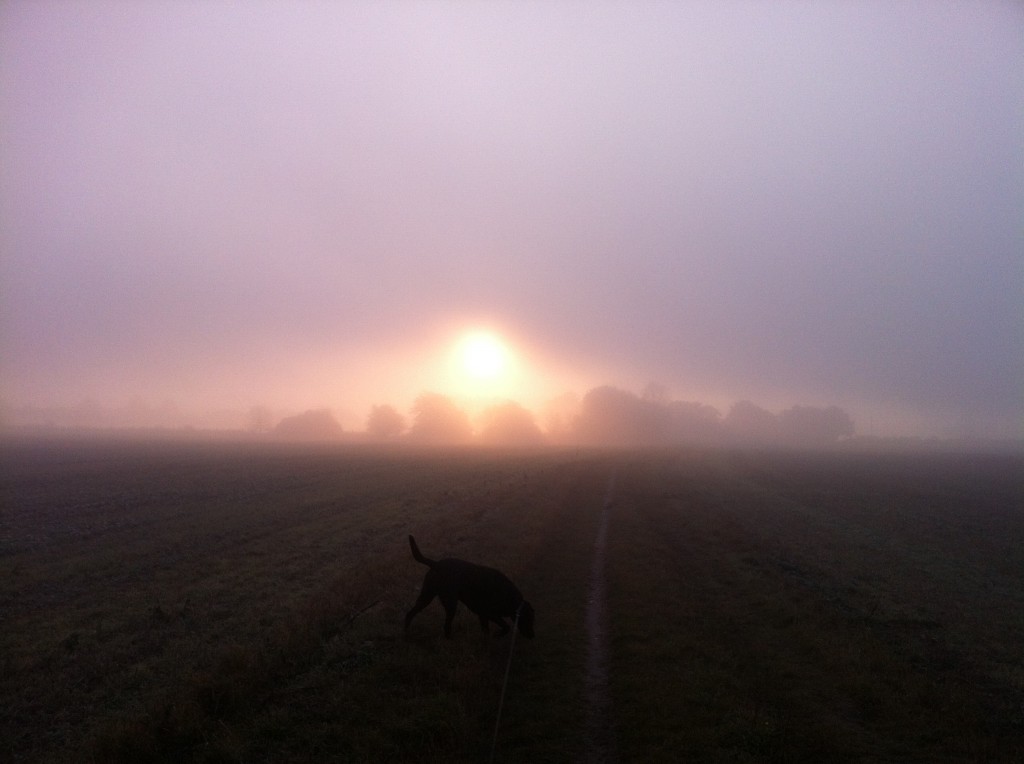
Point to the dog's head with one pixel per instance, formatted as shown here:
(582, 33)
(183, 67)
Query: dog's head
(525, 620)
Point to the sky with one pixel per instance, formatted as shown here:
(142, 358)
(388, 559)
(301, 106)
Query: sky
(306, 204)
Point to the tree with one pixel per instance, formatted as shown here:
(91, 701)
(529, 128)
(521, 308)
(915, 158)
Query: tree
(510, 424)
(694, 422)
(655, 392)
(749, 422)
(385, 422)
(811, 426)
(610, 416)
(560, 414)
(436, 419)
(315, 424)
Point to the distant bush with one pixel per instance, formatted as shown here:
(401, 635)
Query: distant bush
(749, 423)
(436, 419)
(610, 416)
(509, 424)
(385, 422)
(315, 424)
(808, 425)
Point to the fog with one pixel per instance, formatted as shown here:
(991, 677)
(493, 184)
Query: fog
(211, 208)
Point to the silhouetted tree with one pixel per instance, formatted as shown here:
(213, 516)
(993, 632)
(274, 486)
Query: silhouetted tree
(385, 422)
(694, 422)
(657, 393)
(611, 416)
(560, 414)
(436, 419)
(811, 426)
(316, 424)
(749, 422)
(510, 424)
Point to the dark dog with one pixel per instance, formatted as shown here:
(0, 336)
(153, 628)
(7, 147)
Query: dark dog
(485, 591)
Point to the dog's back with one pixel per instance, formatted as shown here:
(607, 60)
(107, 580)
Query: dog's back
(484, 590)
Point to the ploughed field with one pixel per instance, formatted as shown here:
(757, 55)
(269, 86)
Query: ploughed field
(170, 601)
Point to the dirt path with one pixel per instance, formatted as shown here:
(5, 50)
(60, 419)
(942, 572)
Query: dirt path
(600, 732)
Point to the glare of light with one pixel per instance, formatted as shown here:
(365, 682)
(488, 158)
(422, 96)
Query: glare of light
(483, 355)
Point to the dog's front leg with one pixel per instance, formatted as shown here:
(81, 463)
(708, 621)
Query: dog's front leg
(450, 603)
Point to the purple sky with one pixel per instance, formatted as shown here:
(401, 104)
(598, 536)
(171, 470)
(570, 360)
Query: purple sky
(303, 204)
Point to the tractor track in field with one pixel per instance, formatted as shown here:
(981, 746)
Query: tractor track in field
(600, 730)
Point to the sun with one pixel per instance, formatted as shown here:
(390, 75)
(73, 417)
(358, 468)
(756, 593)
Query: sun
(483, 355)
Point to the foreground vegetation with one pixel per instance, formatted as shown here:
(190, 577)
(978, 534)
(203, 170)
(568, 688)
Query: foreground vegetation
(224, 602)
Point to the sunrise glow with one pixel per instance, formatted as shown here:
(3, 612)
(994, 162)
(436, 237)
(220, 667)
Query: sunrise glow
(483, 355)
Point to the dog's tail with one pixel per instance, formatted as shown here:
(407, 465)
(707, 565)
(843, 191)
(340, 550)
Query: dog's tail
(418, 555)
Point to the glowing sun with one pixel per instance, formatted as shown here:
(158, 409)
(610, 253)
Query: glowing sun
(483, 355)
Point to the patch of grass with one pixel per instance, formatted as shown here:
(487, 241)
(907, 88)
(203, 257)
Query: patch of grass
(230, 603)
(747, 632)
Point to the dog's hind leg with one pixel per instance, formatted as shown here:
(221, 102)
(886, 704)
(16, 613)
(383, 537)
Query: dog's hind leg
(450, 602)
(426, 597)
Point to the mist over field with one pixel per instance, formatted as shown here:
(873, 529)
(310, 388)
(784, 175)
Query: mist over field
(569, 221)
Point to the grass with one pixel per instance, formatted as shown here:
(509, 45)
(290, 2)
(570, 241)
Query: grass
(809, 623)
(230, 602)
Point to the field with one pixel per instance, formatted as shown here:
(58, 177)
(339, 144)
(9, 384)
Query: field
(242, 602)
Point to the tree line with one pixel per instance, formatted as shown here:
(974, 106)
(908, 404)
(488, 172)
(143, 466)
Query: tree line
(605, 416)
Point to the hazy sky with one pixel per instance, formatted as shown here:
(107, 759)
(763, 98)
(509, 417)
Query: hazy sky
(300, 204)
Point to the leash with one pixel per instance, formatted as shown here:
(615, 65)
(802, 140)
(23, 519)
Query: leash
(504, 684)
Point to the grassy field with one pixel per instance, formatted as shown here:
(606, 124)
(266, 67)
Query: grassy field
(243, 603)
